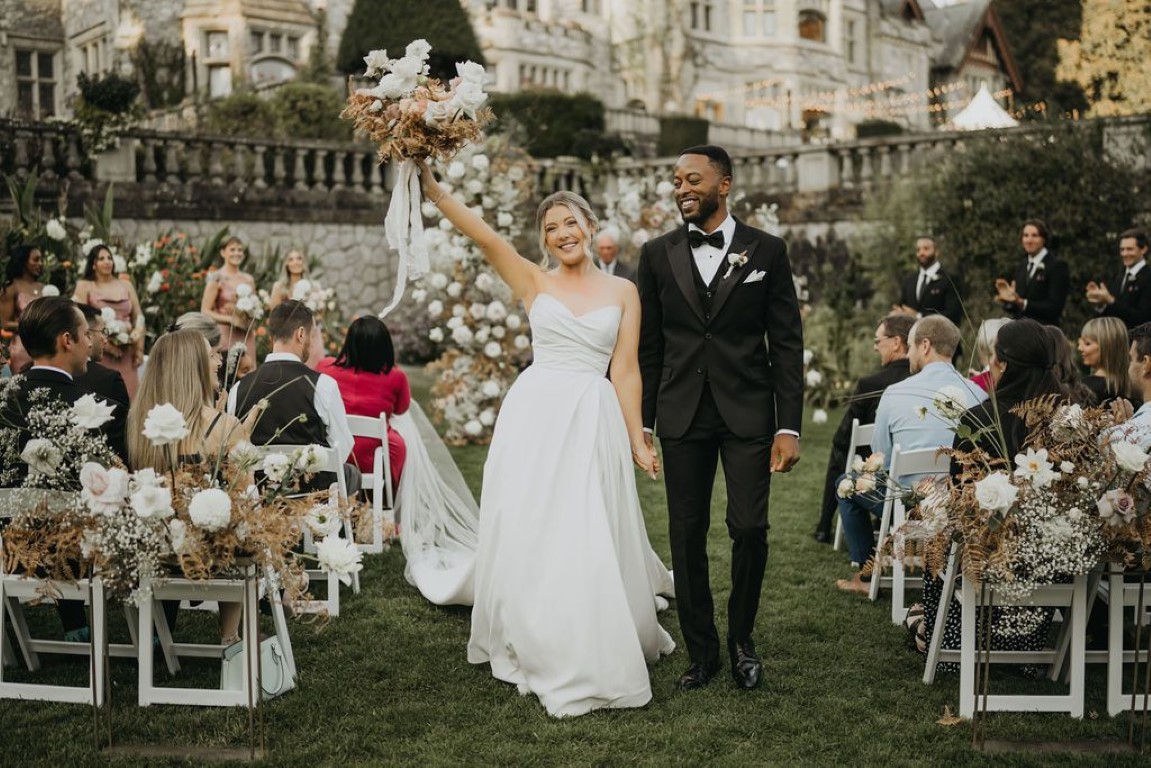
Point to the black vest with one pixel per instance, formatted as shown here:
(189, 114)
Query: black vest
(290, 389)
(706, 292)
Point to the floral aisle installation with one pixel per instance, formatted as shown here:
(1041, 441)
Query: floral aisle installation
(137, 528)
(479, 334)
(413, 116)
(1078, 494)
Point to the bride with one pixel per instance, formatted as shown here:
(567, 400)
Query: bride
(565, 579)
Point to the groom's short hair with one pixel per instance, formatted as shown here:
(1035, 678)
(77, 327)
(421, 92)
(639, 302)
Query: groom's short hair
(717, 156)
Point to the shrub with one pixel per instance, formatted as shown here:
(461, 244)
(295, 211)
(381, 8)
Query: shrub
(443, 23)
(549, 124)
(310, 111)
(241, 114)
(677, 132)
(871, 128)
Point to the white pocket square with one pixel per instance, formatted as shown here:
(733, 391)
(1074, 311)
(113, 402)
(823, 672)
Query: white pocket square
(755, 276)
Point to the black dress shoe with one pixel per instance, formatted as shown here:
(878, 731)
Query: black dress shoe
(823, 537)
(746, 667)
(697, 676)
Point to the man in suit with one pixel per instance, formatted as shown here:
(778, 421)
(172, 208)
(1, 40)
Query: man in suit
(607, 250)
(1131, 302)
(1038, 286)
(931, 290)
(891, 346)
(721, 355)
(106, 383)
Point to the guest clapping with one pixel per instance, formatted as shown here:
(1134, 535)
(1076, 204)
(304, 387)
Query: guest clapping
(1037, 287)
(1127, 295)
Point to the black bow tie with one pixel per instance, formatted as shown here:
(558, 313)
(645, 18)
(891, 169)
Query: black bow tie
(695, 238)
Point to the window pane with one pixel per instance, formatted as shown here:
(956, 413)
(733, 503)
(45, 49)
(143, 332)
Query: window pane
(23, 64)
(46, 69)
(750, 28)
(217, 45)
(219, 81)
(275, 43)
(294, 47)
(256, 42)
(769, 23)
(25, 103)
(47, 99)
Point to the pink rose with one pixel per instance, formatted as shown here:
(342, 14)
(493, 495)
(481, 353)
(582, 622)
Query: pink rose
(104, 490)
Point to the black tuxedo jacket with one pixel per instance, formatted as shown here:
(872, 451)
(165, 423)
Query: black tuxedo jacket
(107, 384)
(941, 296)
(1046, 292)
(67, 391)
(1133, 304)
(748, 349)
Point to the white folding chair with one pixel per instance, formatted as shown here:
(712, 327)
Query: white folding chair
(860, 438)
(379, 482)
(925, 461)
(1122, 596)
(331, 601)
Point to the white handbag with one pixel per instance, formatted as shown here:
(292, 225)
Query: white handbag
(274, 677)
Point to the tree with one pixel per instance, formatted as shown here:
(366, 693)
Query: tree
(443, 23)
(1033, 28)
(1109, 60)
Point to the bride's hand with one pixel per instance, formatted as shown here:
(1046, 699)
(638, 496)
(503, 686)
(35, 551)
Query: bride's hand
(646, 459)
(428, 181)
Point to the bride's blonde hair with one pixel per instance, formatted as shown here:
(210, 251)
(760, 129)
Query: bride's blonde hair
(580, 210)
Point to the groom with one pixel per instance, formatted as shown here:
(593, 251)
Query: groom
(721, 353)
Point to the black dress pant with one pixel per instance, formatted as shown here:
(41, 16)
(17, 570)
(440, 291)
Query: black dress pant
(690, 463)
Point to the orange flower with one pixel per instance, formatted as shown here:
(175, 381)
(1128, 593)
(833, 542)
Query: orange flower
(164, 287)
(66, 264)
(164, 273)
(4, 334)
(261, 331)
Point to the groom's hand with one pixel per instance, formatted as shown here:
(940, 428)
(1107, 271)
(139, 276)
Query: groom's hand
(784, 453)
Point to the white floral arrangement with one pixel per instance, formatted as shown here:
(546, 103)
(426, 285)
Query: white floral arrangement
(315, 296)
(248, 302)
(641, 208)
(481, 337)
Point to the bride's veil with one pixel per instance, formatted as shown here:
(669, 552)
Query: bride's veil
(437, 512)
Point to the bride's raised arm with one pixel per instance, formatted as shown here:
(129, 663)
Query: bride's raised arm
(522, 275)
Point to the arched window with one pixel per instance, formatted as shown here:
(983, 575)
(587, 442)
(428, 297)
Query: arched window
(812, 26)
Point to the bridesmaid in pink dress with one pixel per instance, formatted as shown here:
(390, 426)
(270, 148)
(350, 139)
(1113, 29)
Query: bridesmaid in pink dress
(102, 288)
(219, 301)
(21, 284)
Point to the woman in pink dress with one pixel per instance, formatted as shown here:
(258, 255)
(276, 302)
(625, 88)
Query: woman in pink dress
(371, 384)
(220, 294)
(102, 288)
(21, 284)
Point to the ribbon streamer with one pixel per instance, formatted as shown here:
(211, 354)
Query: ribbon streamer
(404, 229)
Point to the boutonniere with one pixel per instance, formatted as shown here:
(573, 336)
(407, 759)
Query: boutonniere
(734, 260)
(933, 278)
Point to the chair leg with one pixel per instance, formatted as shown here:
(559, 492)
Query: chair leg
(837, 544)
(877, 571)
(20, 628)
(941, 614)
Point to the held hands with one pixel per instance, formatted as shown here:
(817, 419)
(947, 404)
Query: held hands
(645, 456)
(1097, 293)
(1005, 291)
(784, 453)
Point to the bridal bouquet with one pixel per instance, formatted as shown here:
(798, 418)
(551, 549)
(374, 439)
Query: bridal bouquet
(413, 116)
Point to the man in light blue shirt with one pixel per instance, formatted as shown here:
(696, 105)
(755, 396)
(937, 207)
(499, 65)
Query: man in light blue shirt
(919, 412)
(1137, 429)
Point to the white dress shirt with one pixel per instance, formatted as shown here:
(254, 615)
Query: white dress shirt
(925, 277)
(1035, 263)
(708, 260)
(608, 266)
(327, 402)
(52, 368)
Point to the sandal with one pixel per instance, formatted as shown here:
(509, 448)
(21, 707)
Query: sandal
(921, 637)
(914, 616)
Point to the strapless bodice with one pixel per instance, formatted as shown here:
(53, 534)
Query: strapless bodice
(565, 341)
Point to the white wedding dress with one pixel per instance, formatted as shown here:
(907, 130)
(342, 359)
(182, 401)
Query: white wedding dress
(566, 582)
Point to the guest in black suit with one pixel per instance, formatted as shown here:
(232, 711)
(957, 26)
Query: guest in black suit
(55, 335)
(721, 355)
(100, 380)
(607, 250)
(931, 290)
(1131, 301)
(1037, 288)
(891, 345)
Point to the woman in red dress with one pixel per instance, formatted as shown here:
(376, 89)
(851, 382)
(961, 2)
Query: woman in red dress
(371, 384)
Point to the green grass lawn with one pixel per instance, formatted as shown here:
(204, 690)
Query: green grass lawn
(388, 682)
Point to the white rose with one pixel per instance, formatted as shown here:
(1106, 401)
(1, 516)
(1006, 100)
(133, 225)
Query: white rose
(210, 509)
(471, 72)
(435, 308)
(813, 378)
(487, 417)
(513, 322)
(42, 456)
(152, 501)
(496, 311)
(178, 533)
(456, 170)
(1082, 482)
(455, 322)
(376, 62)
(664, 188)
(865, 483)
(108, 315)
(459, 310)
(874, 462)
(324, 520)
(103, 490)
(90, 413)
(418, 49)
(1129, 456)
(477, 310)
(311, 458)
(504, 219)
(165, 425)
(300, 290)
(55, 230)
(819, 416)
(515, 173)
(243, 455)
(419, 295)
(499, 331)
(436, 335)
(845, 489)
(1066, 467)
(484, 281)
(995, 493)
(462, 335)
(521, 342)
(339, 556)
(147, 478)
(155, 283)
(243, 290)
(474, 187)
(118, 263)
(493, 349)
(808, 356)
(482, 335)
(490, 388)
(473, 427)
(454, 290)
(438, 280)
(49, 290)
(275, 467)
(468, 97)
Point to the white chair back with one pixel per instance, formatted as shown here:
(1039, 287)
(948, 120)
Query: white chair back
(379, 482)
(860, 438)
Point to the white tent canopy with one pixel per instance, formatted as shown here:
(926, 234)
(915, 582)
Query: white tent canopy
(983, 112)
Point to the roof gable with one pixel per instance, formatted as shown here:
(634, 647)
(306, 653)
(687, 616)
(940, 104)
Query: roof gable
(965, 31)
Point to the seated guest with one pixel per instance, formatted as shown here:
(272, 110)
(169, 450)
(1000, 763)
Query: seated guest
(371, 384)
(891, 346)
(100, 380)
(181, 371)
(304, 406)
(1129, 297)
(984, 343)
(1104, 348)
(931, 343)
(55, 336)
(1066, 370)
(1137, 429)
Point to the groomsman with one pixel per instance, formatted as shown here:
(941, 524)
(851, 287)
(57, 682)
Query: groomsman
(931, 290)
(607, 249)
(1039, 284)
(1131, 301)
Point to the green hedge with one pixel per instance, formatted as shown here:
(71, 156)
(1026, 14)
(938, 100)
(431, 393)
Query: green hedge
(678, 132)
(549, 124)
(392, 24)
(871, 128)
